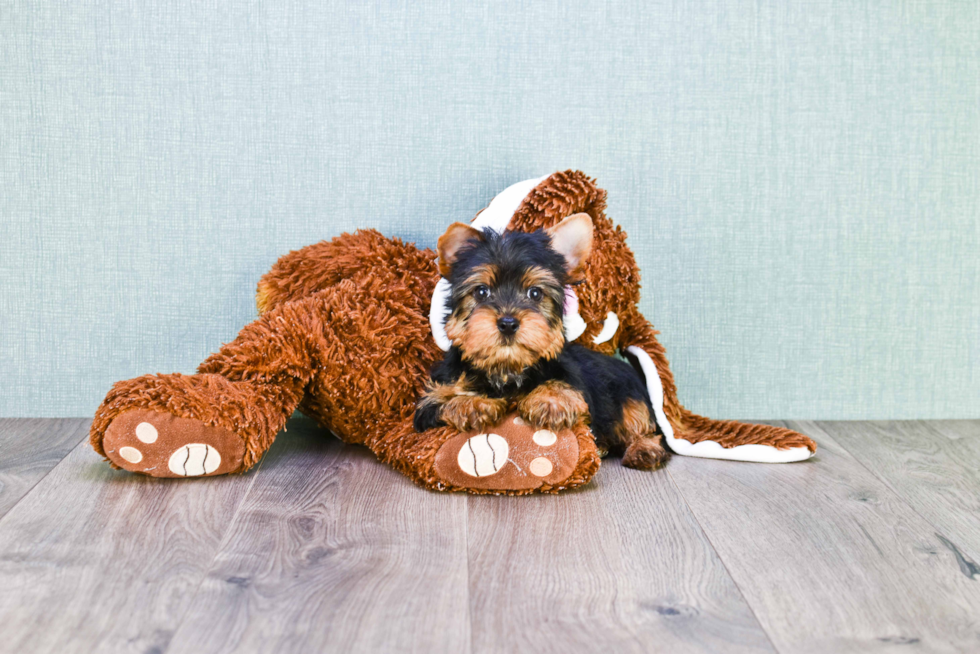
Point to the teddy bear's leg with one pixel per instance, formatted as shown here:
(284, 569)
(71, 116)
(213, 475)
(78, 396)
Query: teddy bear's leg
(216, 422)
(189, 425)
(721, 438)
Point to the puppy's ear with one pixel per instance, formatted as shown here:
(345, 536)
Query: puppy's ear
(450, 243)
(572, 238)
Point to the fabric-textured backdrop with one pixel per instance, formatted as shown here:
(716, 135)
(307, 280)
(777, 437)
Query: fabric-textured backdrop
(800, 181)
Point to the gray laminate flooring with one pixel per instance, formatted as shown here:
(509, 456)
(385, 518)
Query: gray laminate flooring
(872, 546)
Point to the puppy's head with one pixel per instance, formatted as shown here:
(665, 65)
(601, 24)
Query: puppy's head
(508, 292)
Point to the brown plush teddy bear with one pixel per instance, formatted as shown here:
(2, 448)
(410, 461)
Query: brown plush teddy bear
(347, 332)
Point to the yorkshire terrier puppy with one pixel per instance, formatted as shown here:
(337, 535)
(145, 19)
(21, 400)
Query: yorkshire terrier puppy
(508, 344)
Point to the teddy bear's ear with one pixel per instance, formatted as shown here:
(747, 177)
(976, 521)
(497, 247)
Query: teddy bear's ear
(450, 243)
(572, 238)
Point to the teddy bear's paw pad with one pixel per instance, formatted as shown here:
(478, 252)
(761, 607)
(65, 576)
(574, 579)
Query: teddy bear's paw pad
(483, 455)
(512, 455)
(163, 445)
(194, 460)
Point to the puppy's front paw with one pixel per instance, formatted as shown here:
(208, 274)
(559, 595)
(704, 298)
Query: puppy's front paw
(645, 454)
(466, 412)
(553, 405)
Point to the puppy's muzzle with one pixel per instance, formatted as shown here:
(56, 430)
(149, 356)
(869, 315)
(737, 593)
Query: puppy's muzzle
(508, 325)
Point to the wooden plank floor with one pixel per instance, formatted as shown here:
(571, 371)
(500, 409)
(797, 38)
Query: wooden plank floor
(873, 546)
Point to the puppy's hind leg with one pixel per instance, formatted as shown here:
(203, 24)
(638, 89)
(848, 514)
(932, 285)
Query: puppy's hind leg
(638, 432)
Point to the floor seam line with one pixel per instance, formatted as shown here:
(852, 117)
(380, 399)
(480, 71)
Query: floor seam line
(898, 495)
(81, 442)
(721, 560)
(469, 594)
(217, 551)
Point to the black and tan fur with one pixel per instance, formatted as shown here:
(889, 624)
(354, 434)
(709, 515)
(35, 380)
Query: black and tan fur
(505, 321)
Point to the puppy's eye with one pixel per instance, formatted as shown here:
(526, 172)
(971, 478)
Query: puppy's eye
(535, 294)
(482, 293)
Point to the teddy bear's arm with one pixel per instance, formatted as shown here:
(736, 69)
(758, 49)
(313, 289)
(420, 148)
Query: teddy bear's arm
(349, 257)
(637, 331)
(689, 428)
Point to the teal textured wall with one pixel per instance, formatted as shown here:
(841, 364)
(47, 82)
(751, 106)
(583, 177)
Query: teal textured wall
(800, 181)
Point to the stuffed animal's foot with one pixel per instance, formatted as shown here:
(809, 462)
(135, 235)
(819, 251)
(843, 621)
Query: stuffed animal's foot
(553, 405)
(163, 445)
(514, 457)
(188, 425)
(645, 454)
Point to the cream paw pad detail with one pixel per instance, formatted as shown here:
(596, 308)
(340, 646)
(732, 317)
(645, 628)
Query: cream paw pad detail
(163, 445)
(511, 455)
(194, 460)
(483, 455)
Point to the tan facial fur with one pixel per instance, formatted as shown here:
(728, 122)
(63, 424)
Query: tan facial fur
(482, 345)
(541, 277)
(473, 327)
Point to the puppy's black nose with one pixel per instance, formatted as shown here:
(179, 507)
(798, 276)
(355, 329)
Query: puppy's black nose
(508, 325)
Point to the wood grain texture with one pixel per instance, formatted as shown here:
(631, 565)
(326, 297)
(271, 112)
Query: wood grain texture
(30, 448)
(93, 559)
(321, 548)
(334, 552)
(934, 466)
(618, 566)
(829, 558)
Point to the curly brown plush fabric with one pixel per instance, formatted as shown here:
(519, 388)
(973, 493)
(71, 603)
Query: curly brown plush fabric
(613, 284)
(344, 336)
